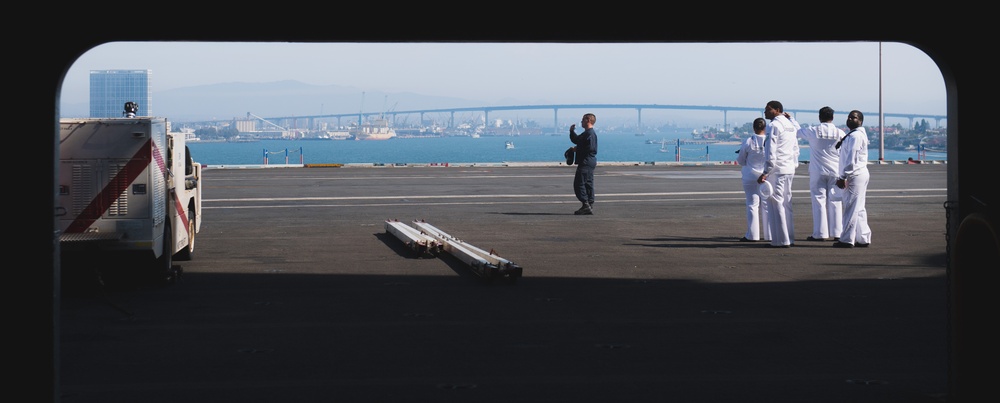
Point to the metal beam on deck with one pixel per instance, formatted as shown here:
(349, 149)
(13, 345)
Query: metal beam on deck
(486, 264)
(418, 242)
(426, 239)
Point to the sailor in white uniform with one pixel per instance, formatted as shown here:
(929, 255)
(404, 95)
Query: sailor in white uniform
(751, 160)
(854, 179)
(781, 151)
(824, 160)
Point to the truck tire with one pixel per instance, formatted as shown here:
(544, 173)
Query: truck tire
(188, 251)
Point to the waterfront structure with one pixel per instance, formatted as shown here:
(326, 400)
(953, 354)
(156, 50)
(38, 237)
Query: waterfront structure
(110, 89)
(373, 129)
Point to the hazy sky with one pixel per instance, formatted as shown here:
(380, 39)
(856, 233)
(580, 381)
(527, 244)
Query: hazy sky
(801, 75)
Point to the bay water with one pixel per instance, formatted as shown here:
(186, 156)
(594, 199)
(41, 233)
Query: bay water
(486, 149)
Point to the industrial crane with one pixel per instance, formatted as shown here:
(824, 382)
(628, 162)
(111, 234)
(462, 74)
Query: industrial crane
(249, 115)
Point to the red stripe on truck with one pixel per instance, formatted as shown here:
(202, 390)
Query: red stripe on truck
(120, 183)
(181, 209)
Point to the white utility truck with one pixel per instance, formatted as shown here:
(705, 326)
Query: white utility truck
(128, 186)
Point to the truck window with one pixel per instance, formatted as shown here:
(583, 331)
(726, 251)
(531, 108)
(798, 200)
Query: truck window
(188, 162)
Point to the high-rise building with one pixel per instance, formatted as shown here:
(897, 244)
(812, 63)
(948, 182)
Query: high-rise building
(111, 89)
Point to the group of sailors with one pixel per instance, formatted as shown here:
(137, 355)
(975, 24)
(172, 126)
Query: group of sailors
(838, 178)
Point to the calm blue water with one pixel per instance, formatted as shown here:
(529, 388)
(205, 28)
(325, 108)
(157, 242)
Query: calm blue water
(487, 149)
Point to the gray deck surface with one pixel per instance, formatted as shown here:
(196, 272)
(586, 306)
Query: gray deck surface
(297, 293)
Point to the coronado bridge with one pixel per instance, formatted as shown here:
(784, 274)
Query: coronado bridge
(309, 120)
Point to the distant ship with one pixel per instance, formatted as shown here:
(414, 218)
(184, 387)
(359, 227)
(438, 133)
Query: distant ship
(238, 139)
(373, 129)
(338, 135)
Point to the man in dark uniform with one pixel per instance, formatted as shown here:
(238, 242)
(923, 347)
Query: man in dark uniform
(586, 162)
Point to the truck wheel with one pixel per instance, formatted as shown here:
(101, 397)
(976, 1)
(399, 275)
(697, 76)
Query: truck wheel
(188, 251)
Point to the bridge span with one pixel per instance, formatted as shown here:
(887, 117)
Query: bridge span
(291, 121)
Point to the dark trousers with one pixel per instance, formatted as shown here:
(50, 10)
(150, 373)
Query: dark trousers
(583, 183)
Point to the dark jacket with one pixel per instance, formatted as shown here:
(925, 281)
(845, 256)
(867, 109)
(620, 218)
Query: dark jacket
(586, 146)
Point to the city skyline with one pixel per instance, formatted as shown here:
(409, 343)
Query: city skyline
(893, 77)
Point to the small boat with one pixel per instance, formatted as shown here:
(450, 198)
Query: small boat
(509, 145)
(663, 146)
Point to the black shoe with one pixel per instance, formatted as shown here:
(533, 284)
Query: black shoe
(861, 245)
(585, 210)
(744, 239)
(779, 246)
(810, 238)
(839, 244)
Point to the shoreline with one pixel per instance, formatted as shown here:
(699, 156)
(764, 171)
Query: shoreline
(523, 164)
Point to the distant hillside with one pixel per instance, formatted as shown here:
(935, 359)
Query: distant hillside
(281, 98)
